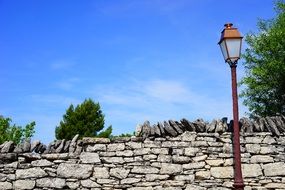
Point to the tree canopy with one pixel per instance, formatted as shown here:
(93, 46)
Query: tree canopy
(264, 92)
(85, 119)
(12, 132)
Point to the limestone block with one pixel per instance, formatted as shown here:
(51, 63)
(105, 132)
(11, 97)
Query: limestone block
(196, 165)
(251, 170)
(164, 158)
(5, 185)
(134, 145)
(89, 183)
(29, 173)
(222, 172)
(201, 175)
(170, 168)
(218, 162)
(96, 147)
(253, 140)
(130, 180)
(274, 169)
(144, 170)
(275, 186)
(113, 160)
(116, 147)
(200, 158)
(180, 159)
(252, 148)
(188, 136)
(261, 159)
(125, 153)
(153, 177)
(191, 151)
(89, 158)
(24, 184)
(188, 178)
(77, 171)
(41, 163)
(159, 150)
(101, 172)
(51, 182)
(172, 183)
(194, 187)
(142, 151)
(120, 173)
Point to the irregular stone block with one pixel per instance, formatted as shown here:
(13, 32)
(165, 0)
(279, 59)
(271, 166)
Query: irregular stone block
(274, 169)
(170, 168)
(251, 170)
(125, 153)
(180, 159)
(196, 165)
(130, 180)
(144, 170)
(113, 160)
(8, 147)
(77, 171)
(30, 173)
(202, 175)
(24, 184)
(96, 147)
(191, 151)
(134, 145)
(101, 173)
(222, 172)
(195, 187)
(120, 173)
(153, 177)
(169, 130)
(188, 136)
(89, 158)
(116, 147)
(188, 178)
(89, 183)
(252, 148)
(261, 159)
(95, 140)
(218, 162)
(5, 185)
(41, 163)
(51, 182)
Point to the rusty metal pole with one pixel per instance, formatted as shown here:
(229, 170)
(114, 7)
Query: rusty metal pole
(238, 181)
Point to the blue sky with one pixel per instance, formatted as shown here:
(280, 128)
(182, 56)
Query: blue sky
(141, 60)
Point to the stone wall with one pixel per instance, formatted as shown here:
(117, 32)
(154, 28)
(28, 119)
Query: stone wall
(189, 161)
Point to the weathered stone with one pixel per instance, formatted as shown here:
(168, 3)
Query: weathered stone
(30, 173)
(96, 147)
(142, 151)
(32, 146)
(272, 127)
(27, 145)
(8, 147)
(220, 127)
(8, 157)
(5, 185)
(180, 159)
(169, 130)
(188, 125)
(175, 126)
(146, 129)
(194, 187)
(89, 183)
(144, 170)
(120, 173)
(41, 163)
(101, 173)
(125, 153)
(222, 172)
(254, 140)
(60, 148)
(175, 144)
(89, 158)
(218, 162)
(95, 140)
(161, 128)
(113, 160)
(211, 127)
(261, 159)
(107, 181)
(72, 185)
(269, 140)
(191, 151)
(274, 169)
(77, 171)
(153, 177)
(116, 147)
(199, 158)
(188, 136)
(251, 170)
(24, 184)
(188, 178)
(51, 182)
(134, 145)
(200, 125)
(196, 165)
(253, 148)
(201, 175)
(157, 131)
(275, 186)
(72, 145)
(130, 180)
(164, 158)
(170, 168)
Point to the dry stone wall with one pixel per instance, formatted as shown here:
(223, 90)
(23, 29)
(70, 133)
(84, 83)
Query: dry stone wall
(189, 161)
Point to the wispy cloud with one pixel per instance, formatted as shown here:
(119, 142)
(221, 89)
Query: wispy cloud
(61, 64)
(67, 84)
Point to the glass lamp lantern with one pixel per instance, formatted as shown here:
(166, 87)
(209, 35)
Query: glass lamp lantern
(230, 44)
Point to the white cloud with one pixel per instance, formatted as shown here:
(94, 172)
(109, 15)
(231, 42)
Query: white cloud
(67, 84)
(61, 64)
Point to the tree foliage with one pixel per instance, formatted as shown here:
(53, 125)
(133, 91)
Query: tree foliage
(85, 119)
(265, 66)
(17, 134)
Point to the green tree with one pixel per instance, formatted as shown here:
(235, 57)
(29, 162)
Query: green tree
(85, 119)
(17, 134)
(264, 81)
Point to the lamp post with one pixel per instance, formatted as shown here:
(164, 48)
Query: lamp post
(230, 44)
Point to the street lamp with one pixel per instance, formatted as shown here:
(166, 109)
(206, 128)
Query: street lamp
(230, 44)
